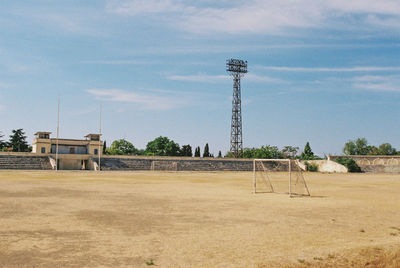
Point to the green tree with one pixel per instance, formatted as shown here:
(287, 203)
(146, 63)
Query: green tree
(162, 146)
(18, 141)
(349, 163)
(350, 148)
(386, 149)
(3, 143)
(219, 154)
(290, 151)
(197, 152)
(372, 150)
(307, 154)
(265, 152)
(104, 147)
(186, 150)
(206, 152)
(230, 154)
(122, 147)
(361, 146)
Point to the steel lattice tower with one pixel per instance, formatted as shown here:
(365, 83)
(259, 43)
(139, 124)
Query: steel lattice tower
(237, 68)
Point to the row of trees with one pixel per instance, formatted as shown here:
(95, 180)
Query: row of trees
(16, 142)
(161, 146)
(360, 146)
(273, 152)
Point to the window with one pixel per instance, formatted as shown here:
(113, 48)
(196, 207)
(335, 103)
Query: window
(72, 150)
(96, 151)
(43, 150)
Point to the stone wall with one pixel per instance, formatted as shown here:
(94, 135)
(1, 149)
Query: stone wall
(24, 161)
(185, 164)
(172, 164)
(375, 163)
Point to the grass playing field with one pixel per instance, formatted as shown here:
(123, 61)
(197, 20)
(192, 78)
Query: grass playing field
(192, 219)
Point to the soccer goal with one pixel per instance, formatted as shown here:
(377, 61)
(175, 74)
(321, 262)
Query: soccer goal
(164, 166)
(271, 176)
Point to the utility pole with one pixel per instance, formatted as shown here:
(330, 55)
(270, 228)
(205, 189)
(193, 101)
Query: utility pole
(58, 130)
(100, 151)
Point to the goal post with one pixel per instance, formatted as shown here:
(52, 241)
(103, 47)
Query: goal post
(164, 165)
(270, 176)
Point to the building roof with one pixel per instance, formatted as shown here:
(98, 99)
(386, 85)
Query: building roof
(42, 132)
(92, 134)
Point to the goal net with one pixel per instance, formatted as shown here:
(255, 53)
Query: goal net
(279, 176)
(164, 166)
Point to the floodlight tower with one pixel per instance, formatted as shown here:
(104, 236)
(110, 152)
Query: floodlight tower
(237, 68)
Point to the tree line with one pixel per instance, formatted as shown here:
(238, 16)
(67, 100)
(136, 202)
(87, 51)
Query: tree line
(360, 146)
(273, 152)
(163, 146)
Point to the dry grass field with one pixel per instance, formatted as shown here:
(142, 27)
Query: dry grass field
(148, 219)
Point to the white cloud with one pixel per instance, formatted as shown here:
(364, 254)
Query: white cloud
(365, 6)
(19, 68)
(145, 101)
(4, 85)
(262, 78)
(223, 78)
(387, 22)
(67, 19)
(329, 69)
(378, 83)
(119, 62)
(369, 78)
(138, 7)
(199, 78)
(263, 16)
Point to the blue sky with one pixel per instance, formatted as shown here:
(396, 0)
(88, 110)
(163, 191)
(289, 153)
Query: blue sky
(319, 71)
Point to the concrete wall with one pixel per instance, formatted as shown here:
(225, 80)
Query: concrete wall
(37, 147)
(183, 164)
(128, 163)
(23, 161)
(81, 146)
(73, 162)
(374, 163)
(178, 163)
(69, 164)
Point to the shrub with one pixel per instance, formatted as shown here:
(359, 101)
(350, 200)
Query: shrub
(311, 167)
(349, 163)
